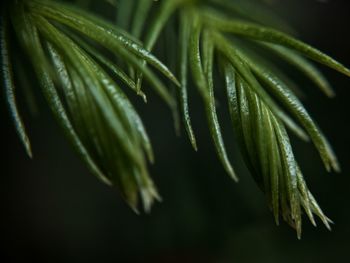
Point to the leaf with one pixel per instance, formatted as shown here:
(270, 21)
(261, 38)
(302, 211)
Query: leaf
(183, 67)
(208, 57)
(246, 113)
(112, 41)
(204, 81)
(117, 47)
(267, 152)
(124, 13)
(231, 54)
(234, 107)
(274, 161)
(304, 66)
(139, 17)
(291, 102)
(51, 93)
(99, 32)
(266, 34)
(9, 87)
(255, 12)
(166, 9)
(289, 173)
(158, 23)
(195, 59)
(119, 120)
(304, 193)
(259, 138)
(66, 46)
(110, 65)
(256, 54)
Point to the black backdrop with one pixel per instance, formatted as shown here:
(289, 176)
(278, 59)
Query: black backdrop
(53, 210)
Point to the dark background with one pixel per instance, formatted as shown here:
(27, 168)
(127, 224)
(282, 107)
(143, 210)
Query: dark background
(53, 210)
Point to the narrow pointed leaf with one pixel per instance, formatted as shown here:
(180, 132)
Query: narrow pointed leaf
(9, 86)
(158, 23)
(255, 12)
(106, 37)
(304, 66)
(119, 72)
(266, 34)
(231, 54)
(58, 108)
(293, 104)
(183, 62)
(139, 17)
(208, 56)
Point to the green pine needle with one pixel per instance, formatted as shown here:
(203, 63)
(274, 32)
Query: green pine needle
(73, 54)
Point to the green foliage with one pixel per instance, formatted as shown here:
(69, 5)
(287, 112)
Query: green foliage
(252, 87)
(72, 53)
(92, 109)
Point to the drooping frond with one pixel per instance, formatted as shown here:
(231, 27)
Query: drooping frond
(83, 63)
(64, 45)
(261, 103)
(261, 97)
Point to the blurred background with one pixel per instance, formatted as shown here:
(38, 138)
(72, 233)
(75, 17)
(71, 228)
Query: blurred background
(53, 210)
